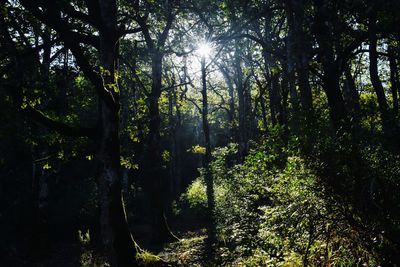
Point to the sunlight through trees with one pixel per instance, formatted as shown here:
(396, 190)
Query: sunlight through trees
(199, 133)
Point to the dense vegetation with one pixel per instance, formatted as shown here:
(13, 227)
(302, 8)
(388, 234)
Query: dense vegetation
(199, 133)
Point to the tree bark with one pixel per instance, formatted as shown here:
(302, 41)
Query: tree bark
(297, 46)
(207, 157)
(175, 159)
(331, 70)
(351, 95)
(40, 190)
(373, 70)
(264, 113)
(116, 237)
(241, 87)
(156, 176)
(232, 112)
(261, 99)
(290, 77)
(286, 89)
(302, 60)
(274, 91)
(394, 81)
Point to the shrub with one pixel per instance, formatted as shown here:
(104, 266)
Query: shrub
(278, 208)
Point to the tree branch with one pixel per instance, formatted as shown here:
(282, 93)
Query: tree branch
(41, 118)
(18, 98)
(52, 19)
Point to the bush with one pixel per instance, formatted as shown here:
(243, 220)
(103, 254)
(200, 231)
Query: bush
(336, 207)
(193, 203)
(275, 211)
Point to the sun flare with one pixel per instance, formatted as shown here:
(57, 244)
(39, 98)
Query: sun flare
(204, 49)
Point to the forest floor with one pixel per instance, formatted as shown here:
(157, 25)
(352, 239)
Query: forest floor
(188, 251)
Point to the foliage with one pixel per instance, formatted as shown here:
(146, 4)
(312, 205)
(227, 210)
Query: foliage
(195, 199)
(198, 150)
(268, 215)
(146, 258)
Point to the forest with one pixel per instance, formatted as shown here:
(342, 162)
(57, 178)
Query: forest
(199, 133)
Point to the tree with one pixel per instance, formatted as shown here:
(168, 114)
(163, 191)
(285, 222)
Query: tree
(155, 175)
(330, 65)
(116, 237)
(297, 51)
(207, 156)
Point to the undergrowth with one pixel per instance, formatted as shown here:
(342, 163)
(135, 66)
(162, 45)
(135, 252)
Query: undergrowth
(279, 208)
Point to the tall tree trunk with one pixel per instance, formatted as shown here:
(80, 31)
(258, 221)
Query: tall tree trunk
(156, 176)
(301, 56)
(174, 125)
(251, 125)
(45, 66)
(207, 157)
(231, 113)
(275, 94)
(286, 88)
(116, 236)
(264, 113)
(290, 77)
(40, 189)
(240, 87)
(373, 71)
(297, 49)
(290, 66)
(351, 95)
(274, 91)
(394, 81)
(331, 86)
(330, 67)
(261, 99)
